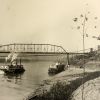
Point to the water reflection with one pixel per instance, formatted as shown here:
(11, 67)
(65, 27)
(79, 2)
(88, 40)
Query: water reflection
(16, 78)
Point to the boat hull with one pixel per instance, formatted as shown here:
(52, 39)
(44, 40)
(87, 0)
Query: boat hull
(13, 69)
(57, 69)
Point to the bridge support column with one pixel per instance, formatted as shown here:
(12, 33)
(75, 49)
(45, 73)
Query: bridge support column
(68, 59)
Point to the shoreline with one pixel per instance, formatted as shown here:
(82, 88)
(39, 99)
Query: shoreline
(67, 81)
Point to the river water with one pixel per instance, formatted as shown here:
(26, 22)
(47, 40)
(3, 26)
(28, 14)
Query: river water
(18, 87)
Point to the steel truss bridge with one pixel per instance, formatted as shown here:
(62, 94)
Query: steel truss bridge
(32, 48)
(35, 49)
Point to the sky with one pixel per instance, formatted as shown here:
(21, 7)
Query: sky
(49, 21)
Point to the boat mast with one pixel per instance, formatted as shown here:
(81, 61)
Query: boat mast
(20, 61)
(16, 61)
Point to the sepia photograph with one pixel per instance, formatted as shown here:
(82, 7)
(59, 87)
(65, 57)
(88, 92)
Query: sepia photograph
(49, 50)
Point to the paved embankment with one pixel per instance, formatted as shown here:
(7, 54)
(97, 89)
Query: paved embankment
(91, 91)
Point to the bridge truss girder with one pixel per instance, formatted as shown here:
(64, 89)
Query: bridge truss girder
(35, 48)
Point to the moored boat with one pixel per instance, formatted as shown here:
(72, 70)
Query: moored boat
(56, 68)
(14, 67)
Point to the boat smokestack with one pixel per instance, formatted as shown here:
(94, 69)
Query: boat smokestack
(20, 61)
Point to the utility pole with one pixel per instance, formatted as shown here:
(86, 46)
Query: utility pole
(83, 57)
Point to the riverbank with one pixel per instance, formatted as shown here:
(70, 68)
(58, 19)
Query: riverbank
(61, 86)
